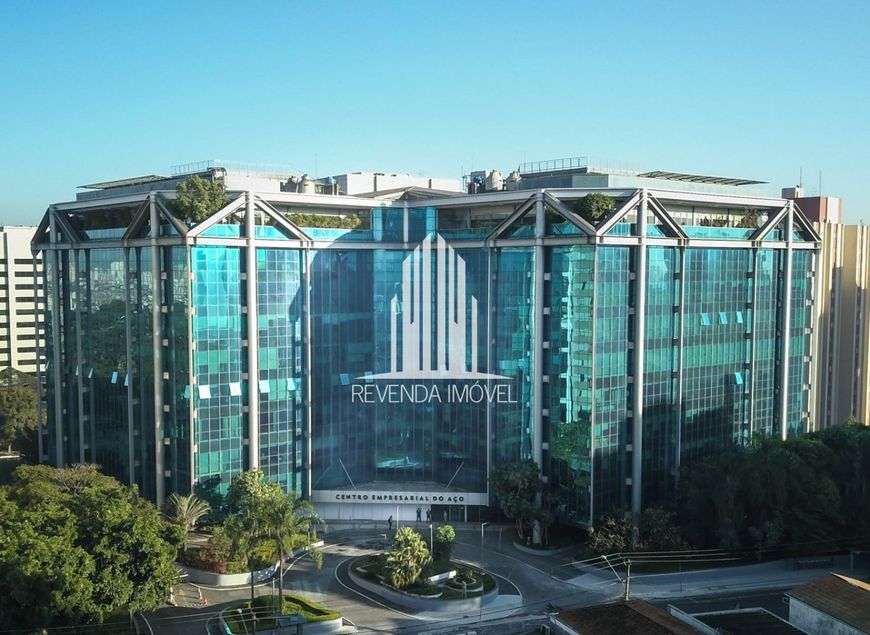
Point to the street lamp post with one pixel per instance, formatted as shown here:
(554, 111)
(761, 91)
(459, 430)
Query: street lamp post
(431, 539)
(480, 603)
(482, 525)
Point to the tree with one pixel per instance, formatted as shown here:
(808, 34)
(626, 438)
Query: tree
(19, 407)
(249, 489)
(774, 494)
(407, 558)
(197, 199)
(518, 488)
(288, 521)
(611, 535)
(659, 531)
(593, 207)
(185, 511)
(78, 545)
(249, 499)
(445, 537)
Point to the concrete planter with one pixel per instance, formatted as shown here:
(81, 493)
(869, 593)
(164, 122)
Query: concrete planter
(441, 577)
(422, 603)
(209, 578)
(543, 552)
(298, 551)
(474, 589)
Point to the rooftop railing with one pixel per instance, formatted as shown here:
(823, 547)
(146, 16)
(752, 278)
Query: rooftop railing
(236, 167)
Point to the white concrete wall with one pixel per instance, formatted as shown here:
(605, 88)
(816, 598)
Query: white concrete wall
(815, 622)
(364, 182)
(376, 512)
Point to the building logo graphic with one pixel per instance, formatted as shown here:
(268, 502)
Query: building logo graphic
(433, 297)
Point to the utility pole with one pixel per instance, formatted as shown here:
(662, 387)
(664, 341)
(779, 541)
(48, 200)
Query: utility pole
(627, 580)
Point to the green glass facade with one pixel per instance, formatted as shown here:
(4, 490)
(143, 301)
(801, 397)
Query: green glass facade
(180, 356)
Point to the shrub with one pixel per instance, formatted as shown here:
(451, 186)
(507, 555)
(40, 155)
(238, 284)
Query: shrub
(263, 555)
(445, 537)
(407, 559)
(593, 207)
(353, 221)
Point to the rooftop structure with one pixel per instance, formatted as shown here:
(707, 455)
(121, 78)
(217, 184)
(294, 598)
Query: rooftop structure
(583, 172)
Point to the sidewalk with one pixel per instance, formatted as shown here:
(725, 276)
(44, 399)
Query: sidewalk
(778, 574)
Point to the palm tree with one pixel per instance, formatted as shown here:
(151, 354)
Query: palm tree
(408, 557)
(287, 521)
(185, 510)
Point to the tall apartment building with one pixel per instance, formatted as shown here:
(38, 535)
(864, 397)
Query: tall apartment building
(841, 353)
(20, 285)
(382, 353)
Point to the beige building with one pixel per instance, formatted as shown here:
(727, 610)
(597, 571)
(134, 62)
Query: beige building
(18, 290)
(841, 355)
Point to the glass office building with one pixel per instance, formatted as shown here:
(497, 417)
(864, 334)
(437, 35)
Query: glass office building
(271, 335)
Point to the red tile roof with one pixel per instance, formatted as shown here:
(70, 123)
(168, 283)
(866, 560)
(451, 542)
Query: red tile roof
(845, 599)
(637, 618)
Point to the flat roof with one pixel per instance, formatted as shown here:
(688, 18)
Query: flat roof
(636, 617)
(698, 178)
(747, 622)
(136, 180)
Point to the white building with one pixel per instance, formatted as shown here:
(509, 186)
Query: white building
(20, 280)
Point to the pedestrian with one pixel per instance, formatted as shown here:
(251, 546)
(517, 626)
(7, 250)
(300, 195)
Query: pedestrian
(428, 514)
(390, 523)
(445, 515)
(419, 514)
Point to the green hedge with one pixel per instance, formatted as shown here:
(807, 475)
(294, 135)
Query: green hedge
(327, 220)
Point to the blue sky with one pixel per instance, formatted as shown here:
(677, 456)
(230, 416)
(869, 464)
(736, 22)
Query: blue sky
(103, 90)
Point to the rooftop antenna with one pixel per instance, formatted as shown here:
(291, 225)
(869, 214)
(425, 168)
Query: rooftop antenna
(801, 178)
(315, 165)
(820, 182)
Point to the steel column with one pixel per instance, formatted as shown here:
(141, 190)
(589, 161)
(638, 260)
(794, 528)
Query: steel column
(128, 334)
(785, 324)
(490, 309)
(596, 252)
(80, 364)
(57, 339)
(538, 350)
(681, 316)
(309, 413)
(191, 373)
(637, 370)
(753, 343)
(157, 335)
(253, 335)
(39, 317)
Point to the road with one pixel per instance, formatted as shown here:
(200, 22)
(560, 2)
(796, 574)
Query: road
(529, 586)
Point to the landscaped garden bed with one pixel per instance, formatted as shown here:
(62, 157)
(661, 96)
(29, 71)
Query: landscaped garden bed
(258, 527)
(263, 614)
(408, 574)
